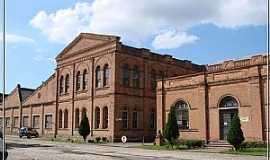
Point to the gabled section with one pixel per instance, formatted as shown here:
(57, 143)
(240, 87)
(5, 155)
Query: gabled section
(1, 97)
(86, 41)
(44, 94)
(15, 98)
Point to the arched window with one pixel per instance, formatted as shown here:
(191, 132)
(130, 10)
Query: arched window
(67, 83)
(85, 79)
(97, 117)
(182, 115)
(84, 112)
(125, 75)
(98, 77)
(153, 80)
(78, 81)
(136, 77)
(60, 122)
(77, 118)
(106, 75)
(66, 118)
(228, 102)
(61, 90)
(105, 117)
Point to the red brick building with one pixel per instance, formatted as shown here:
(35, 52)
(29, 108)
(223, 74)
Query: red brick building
(112, 83)
(206, 101)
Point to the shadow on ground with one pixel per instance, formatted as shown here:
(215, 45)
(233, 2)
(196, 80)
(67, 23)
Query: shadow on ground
(20, 145)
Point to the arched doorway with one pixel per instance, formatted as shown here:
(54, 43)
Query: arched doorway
(228, 106)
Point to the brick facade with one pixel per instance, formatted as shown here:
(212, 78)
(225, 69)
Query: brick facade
(114, 84)
(243, 80)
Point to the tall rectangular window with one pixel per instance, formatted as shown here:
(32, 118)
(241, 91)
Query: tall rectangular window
(152, 117)
(124, 119)
(7, 121)
(125, 75)
(16, 122)
(135, 120)
(36, 121)
(1, 121)
(48, 121)
(25, 121)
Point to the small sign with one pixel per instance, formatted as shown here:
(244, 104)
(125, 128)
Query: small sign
(244, 119)
(124, 139)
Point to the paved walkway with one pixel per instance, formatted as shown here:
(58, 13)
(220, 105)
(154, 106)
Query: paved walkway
(35, 149)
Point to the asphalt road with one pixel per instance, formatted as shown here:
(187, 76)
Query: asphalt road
(35, 149)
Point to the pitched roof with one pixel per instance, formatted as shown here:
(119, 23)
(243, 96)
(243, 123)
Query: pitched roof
(87, 36)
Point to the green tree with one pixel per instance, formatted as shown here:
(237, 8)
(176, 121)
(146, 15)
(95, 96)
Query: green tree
(84, 129)
(171, 132)
(235, 135)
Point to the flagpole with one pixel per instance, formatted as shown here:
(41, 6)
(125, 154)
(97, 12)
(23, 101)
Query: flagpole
(4, 77)
(267, 79)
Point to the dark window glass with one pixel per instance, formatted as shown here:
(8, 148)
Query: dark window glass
(97, 117)
(61, 90)
(35, 121)
(182, 115)
(48, 121)
(106, 75)
(98, 77)
(135, 119)
(136, 77)
(152, 119)
(85, 79)
(66, 118)
(67, 83)
(153, 80)
(124, 119)
(105, 117)
(77, 118)
(60, 122)
(78, 81)
(228, 102)
(125, 75)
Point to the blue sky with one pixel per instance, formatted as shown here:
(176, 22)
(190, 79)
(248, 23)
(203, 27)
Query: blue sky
(201, 31)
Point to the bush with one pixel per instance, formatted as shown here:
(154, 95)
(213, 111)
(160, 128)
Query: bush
(171, 132)
(253, 144)
(98, 139)
(235, 135)
(84, 129)
(194, 143)
(91, 141)
(104, 139)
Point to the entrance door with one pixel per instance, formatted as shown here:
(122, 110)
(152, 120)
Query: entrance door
(226, 117)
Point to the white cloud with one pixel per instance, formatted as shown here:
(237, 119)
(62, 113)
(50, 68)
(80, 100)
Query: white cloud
(12, 38)
(65, 24)
(42, 58)
(143, 20)
(172, 39)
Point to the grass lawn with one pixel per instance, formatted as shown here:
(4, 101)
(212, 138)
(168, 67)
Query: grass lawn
(163, 147)
(248, 151)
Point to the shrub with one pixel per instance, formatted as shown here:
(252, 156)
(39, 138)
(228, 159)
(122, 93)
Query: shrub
(84, 129)
(104, 139)
(194, 143)
(253, 144)
(171, 132)
(91, 141)
(98, 139)
(235, 135)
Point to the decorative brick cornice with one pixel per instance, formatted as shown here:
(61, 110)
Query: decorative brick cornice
(235, 64)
